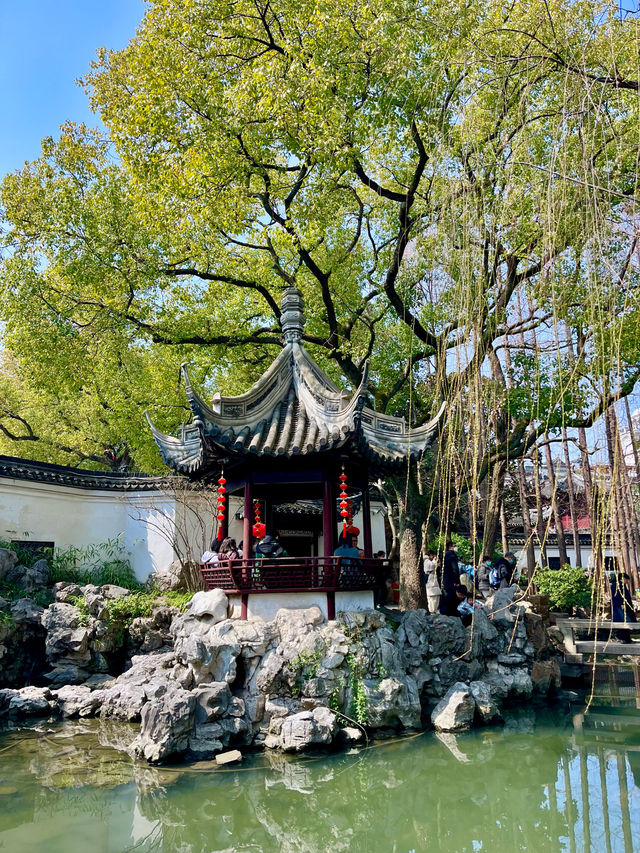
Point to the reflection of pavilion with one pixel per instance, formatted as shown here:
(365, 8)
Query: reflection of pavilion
(287, 439)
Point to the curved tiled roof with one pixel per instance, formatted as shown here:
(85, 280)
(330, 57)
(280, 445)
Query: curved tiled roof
(77, 478)
(294, 409)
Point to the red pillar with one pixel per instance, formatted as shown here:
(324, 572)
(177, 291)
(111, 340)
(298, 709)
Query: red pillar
(366, 521)
(246, 525)
(328, 511)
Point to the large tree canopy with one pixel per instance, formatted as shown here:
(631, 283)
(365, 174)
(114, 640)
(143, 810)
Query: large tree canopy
(438, 179)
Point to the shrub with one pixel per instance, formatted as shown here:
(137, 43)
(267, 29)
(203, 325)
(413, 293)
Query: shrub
(103, 562)
(178, 599)
(567, 587)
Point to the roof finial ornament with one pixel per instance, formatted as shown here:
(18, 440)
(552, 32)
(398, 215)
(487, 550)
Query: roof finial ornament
(292, 318)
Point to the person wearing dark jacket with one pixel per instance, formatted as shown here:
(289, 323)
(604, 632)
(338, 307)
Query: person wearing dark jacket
(450, 569)
(269, 546)
(621, 604)
(506, 566)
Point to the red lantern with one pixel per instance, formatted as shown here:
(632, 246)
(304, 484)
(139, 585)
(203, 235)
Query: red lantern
(259, 529)
(344, 501)
(221, 504)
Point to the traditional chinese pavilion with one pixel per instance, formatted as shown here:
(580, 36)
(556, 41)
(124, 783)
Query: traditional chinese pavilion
(294, 436)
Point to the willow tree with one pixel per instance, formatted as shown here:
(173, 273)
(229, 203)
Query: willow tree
(412, 167)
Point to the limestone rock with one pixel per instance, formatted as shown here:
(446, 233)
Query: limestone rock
(212, 701)
(177, 576)
(112, 590)
(446, 635)
(26, 610)
(211, 606)
(500, 611)
(165, 726)
(392, 702)
(308, 728)
(484, 638)
(75, 701)
(229, 757)
(149, 678)
(208, 650)
(350, 735)
(486, 705)
(66, 673)
(28, 577)
(455, 712)
(8, 559)
(64, 592)
(545, 676)
(31, 702)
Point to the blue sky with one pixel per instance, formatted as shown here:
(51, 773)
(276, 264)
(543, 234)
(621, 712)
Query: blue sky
(45, 46)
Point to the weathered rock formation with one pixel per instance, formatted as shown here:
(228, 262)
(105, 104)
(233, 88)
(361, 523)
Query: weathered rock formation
(210, 684)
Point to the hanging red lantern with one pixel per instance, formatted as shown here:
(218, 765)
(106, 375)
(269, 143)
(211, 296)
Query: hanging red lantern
(344, 501)
(259, 529)
(221, 504)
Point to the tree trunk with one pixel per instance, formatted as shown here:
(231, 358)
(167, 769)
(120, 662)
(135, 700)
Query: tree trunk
(504, 533)
(412, 512)
(526, 517)
(617, 512)
(595, 528)
(551, 473)
(492, 509)
(577, 550)
(536, 484)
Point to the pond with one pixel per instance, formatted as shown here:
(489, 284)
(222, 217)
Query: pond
(554, 781)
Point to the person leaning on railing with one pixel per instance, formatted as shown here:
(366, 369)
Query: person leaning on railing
(228, 550)
(349, 556)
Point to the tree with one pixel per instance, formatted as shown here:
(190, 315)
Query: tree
(412, 167)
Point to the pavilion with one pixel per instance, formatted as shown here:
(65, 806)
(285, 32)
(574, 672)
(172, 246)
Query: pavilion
(290, 438)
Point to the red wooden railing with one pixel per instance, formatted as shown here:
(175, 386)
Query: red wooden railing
(293, 574)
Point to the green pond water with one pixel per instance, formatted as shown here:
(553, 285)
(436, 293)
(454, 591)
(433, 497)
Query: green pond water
(561, 781)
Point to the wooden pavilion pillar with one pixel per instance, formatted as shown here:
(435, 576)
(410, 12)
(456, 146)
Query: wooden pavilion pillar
(246, 522)
(246, 538)
(366, 520)
(328, 528)
(328, 514)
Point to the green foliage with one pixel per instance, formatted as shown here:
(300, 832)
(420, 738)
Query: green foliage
(308, 662)
(567, 588)
(126, 608)
(80, 603)
(6, 618)
(176, 599)
(12, 593)
(359, 706)
(227, 170)
(99, 563)
(26, 556)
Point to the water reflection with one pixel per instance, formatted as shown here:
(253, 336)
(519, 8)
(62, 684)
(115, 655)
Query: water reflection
(568, 783)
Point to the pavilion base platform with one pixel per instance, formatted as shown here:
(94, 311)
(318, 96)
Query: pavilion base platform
(257, 589)
(264, 606)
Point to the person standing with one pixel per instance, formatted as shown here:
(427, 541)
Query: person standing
(621, 604)
(432, 587)
(505, 568)
(450, 569)
(482, 576)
